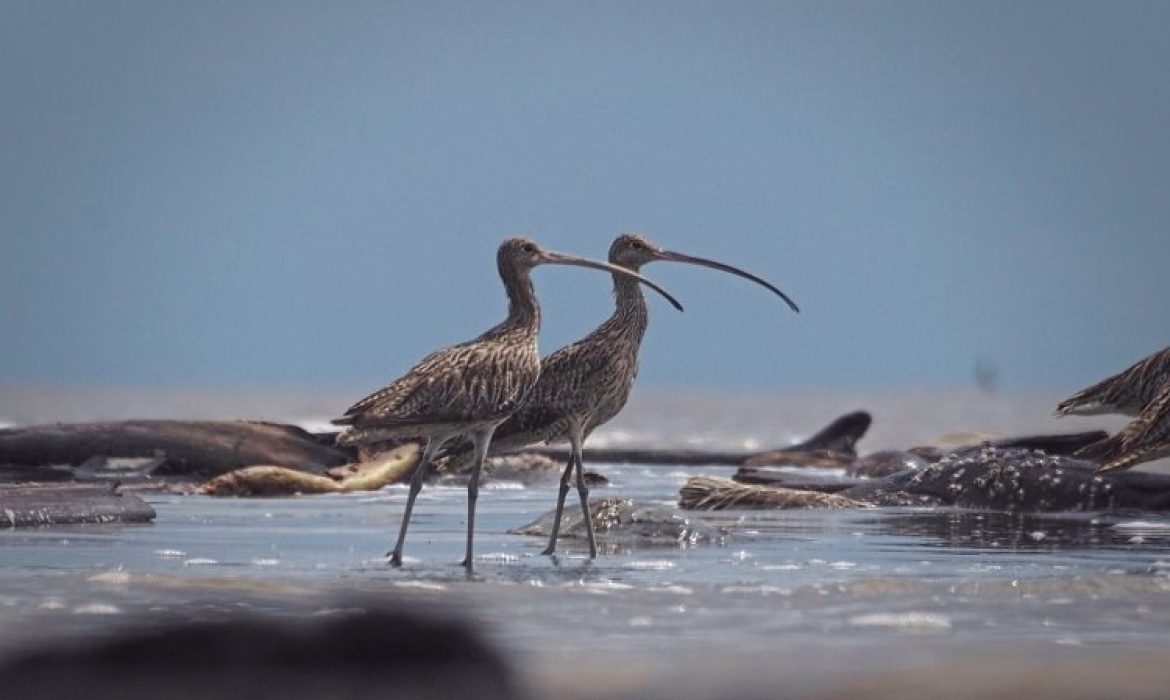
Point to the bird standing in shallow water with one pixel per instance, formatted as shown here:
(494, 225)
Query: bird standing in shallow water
(1142, 390)
(587, 383)
(470, 388)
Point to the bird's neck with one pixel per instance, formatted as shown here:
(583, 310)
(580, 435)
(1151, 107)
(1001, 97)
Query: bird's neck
(523, 309)
(630, 315)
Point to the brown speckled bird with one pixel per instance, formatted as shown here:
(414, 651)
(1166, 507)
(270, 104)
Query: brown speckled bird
(1127, 392)
(468, 389)
(587, 383)
(1144, 439)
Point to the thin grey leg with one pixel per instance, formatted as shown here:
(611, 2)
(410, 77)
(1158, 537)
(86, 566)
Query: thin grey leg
(583, 491)
(483, 440)
(556, 527)
(416, 483)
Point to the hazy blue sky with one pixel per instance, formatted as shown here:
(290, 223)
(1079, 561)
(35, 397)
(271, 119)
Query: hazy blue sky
(289, 193)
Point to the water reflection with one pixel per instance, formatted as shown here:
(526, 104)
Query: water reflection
(964, 529)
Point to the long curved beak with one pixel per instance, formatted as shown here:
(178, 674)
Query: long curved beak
(672, 256)
(554, 258)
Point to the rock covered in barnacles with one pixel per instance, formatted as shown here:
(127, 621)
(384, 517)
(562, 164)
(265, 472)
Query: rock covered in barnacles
(706, 493)
(522, 467)
(1011, 480)
(626, 521)
(886, 462)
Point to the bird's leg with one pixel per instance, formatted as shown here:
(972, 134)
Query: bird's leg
(482, 439)
(575, 439)
(556, 526)
(416, 483)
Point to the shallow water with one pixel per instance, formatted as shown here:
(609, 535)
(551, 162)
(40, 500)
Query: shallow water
(873, 586)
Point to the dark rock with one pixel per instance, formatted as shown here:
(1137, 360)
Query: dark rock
(1016, 480)
(625, 521)
(206, 448)
(382, 653)
(32, 505)
(886, 462)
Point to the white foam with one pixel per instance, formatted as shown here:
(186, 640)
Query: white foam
(1144, 525)
(316, 425)
(649, 565)
(604, 586)
(914, 621)
(97, 609)
(116, 577)
(422, 585)
(763, 590)
(200, 561)
(504, 486)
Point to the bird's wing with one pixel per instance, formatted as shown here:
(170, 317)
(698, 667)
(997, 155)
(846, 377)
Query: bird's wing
(1144, 438)
(1136, 385)
(463, 382)
(572, 380)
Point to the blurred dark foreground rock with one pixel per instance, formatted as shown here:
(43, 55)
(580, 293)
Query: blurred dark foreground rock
(378, 653)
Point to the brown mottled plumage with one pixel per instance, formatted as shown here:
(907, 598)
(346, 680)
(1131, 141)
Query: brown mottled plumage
(587, 383)
(1127, 392)
(1144, 439)
(470, 388)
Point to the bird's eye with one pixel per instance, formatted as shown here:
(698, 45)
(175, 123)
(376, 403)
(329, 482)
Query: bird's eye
(636, 245)
(528, 248)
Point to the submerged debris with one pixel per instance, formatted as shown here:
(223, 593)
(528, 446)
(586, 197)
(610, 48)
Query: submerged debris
(267, 481)
(624, 520)
(524, 467)
(68, 504)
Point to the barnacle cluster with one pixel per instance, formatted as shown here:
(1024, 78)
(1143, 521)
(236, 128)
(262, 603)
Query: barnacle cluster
(1013, 480)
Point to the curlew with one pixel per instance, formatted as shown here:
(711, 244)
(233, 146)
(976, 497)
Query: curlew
(587, 383)
(1143, 439)
(467, 390)
(1128, 392)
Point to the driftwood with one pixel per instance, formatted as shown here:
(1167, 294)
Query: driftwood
(787, 480)
(706, 493)
(65, 504)
(267, 481)
(189, 447)
(832, 446)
